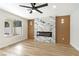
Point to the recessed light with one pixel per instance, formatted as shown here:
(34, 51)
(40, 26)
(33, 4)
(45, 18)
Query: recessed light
(54, 6)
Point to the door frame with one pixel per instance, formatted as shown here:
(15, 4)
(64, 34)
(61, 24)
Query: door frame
(28, 27)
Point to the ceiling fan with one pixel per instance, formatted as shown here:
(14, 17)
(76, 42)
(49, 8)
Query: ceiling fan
(34, 7)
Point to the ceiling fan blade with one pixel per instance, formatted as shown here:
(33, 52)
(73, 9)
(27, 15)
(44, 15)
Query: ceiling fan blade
(25, 6)
(31, 11)
(39, 11)
(32, 4)
(42, 5)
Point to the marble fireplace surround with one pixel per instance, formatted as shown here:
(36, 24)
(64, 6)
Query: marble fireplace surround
(45, 26)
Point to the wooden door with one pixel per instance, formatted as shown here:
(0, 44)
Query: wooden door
(30, 29)
(63, 29)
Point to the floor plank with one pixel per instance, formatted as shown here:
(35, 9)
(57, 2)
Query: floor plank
(28, 48)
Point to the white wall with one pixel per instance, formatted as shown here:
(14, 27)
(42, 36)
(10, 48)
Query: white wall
(74, 41)
(4, 41)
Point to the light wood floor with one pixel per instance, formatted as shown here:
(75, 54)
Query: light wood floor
(28, 48)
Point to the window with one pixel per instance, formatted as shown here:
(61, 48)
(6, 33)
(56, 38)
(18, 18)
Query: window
(17, 24)
(18, 27)
(7, 24)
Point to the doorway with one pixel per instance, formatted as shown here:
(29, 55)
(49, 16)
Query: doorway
(31, 29)
(63, 29)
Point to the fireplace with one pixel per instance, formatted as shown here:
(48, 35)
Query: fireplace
(45, 34)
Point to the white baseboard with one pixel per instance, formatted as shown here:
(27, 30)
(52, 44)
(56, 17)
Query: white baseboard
(75, 46)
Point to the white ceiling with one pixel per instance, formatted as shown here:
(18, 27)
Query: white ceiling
(61, 9)
(37, 1)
